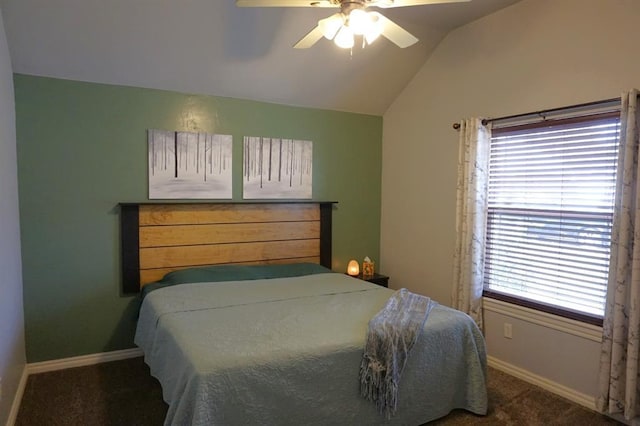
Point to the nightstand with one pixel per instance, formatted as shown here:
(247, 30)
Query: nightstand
(379, 279)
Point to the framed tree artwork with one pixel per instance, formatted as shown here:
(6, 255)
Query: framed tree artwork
(277, 168)
(189, 165)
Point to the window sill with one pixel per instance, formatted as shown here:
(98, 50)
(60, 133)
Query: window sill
(566, 325)
(542, 307)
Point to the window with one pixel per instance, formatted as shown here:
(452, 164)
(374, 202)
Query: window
(550, 211)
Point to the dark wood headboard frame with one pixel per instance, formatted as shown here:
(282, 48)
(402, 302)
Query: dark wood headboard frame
(130, 235)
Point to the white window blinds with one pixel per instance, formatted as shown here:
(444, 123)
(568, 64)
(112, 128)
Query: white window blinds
(550, 208)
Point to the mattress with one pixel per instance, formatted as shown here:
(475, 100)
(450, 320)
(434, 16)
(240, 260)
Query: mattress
(282, 351)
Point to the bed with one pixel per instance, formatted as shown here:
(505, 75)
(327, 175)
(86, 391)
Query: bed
(276, 341)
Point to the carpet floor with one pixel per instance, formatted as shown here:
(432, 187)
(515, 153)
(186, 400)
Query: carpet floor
(124, 393)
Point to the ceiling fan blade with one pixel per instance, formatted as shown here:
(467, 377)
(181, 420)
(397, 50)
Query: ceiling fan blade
(310, 39)
(385, 4)
(285, 3)
(395, 32)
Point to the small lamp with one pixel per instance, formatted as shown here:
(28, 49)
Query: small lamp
(353, 268)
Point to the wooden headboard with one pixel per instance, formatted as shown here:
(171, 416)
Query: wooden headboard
(158, 238)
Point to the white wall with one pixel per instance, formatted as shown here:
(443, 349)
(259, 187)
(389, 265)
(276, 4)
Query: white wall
(12, 353)
(533, 55)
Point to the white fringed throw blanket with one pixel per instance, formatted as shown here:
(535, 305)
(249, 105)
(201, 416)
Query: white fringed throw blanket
(390, 337)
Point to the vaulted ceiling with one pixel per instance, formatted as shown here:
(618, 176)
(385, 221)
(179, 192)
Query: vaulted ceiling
(213, 47)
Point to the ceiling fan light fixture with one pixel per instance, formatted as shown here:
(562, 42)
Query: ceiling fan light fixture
(344, 38)
(366, 24)
(376, 26)
(371, 37)
(331, 25)
(359, 21)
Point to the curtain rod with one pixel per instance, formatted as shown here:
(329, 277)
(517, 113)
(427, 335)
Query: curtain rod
(486, 121)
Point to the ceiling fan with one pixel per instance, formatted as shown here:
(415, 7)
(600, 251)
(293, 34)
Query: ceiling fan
(352, 20)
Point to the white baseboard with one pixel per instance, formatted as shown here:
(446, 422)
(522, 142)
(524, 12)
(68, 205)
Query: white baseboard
(81, 361)
(17, 399)
(585, 400)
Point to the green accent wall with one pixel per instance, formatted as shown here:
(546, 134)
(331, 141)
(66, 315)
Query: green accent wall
(82, 149)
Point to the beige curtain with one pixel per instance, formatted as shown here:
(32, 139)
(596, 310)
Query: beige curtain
(473, 173)
(618, 380)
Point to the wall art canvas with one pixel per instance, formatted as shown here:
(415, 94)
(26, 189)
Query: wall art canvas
(189, 165)
(277, 168)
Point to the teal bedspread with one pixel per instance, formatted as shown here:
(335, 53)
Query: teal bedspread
(287, 351)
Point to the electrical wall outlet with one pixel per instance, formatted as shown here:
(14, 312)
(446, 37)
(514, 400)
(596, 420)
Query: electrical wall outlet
(508, 331)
